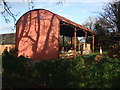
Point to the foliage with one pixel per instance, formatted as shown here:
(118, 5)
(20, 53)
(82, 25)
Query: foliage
(81, 72)
(114, 52)
(107, 26)
(10, 62)
(110, 23)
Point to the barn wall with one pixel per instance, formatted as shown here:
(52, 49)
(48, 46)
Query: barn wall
(37, 35)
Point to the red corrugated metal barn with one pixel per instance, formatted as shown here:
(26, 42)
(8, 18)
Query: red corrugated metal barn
(38, 32)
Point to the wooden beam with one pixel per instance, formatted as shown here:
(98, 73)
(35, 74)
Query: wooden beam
(93, 42)
(75, 37)
(78, 45)
(71, 43)
(63, 44)
(85, 40)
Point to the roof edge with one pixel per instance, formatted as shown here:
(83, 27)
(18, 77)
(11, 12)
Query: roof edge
(59, 17)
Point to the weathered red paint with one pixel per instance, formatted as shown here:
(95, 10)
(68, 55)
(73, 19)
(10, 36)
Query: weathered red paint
(37, 35)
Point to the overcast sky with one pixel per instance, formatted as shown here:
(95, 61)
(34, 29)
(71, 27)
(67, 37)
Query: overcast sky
(75, 10)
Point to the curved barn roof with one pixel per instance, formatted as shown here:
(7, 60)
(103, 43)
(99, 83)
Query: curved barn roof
(62, 19)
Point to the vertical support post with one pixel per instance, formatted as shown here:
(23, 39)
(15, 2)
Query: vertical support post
(93, 42)
(85, 40)
(75, 37)
(79, 46)
(71, 43)
(63, 43)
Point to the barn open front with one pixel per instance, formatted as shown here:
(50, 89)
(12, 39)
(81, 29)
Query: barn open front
(69, 43)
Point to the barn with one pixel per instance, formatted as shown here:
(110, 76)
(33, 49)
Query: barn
(38, 32)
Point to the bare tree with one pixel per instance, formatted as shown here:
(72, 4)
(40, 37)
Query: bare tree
(7, 10)
(111, 15)
(30, 4)
(90, 22)
(107, 26)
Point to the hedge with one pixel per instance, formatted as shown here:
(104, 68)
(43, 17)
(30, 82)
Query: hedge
(60, 73)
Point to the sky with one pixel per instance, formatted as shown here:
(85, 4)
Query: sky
(76, 10)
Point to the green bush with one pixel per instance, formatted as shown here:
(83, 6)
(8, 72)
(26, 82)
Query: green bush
(115, 52)
(12, 64)
(81, 72)
(78, 73)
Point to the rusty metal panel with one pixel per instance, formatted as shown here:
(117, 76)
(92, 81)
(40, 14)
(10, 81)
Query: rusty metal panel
(37, 35)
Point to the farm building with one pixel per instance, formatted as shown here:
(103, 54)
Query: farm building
(7, 41)
(38, 32)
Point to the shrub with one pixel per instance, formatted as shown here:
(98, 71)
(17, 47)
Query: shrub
(81, 72)
(12, 64)
(114, 52)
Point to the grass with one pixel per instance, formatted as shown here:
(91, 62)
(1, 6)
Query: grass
(91, 55)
